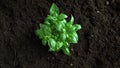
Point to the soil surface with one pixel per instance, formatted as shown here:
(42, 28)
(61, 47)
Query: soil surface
(99, 38)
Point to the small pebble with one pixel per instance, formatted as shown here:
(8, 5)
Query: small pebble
(92, 35)
(98, 11)
(53, 58)
(48, 58)
(56, 54)
(71, 64)
(72, 49)
(107, 2)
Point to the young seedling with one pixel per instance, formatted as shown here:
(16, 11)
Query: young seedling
(56, 32)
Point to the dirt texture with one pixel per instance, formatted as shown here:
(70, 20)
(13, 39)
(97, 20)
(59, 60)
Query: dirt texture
(99, 38)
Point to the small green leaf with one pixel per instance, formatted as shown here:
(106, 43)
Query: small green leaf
(58, 46)
(65, 44)
(62, 22)
(63, 30)
(44, 41)
(73, 38)
(70, 30)
(72, 19)
(77, 27)
(62, 16)
(63, 36)
(66, 51)
(59, 26)
(39, 33)
(47, 23)
(76, 37)
(51, 43)
(51, 18)
(54, 10)
(68, 25)
(46, 30)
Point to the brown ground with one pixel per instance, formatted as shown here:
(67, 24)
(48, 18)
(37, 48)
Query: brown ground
(99, 39)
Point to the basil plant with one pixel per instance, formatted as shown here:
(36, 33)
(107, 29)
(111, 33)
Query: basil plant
(56, 32)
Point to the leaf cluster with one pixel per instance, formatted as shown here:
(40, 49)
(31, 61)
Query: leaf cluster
(57, 32)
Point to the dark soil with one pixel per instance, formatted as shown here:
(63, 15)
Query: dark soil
(99, 38)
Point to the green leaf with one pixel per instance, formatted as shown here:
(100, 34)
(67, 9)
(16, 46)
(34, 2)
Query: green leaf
(59, 26)
(44, 41)
(69, 28)
(68, 25)
(46, 30)
(54, 10)
(63, 36)
(52, 44)
(65, 44)
(73, 38)
(52, 18)
(77, 27)
(62, 22)
(66, 51)
(63, 30)
(58, 46)
(62, 16)
(39, 33)
(47, 22)
(72, 19)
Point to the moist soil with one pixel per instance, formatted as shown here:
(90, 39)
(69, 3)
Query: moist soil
(99, 38)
